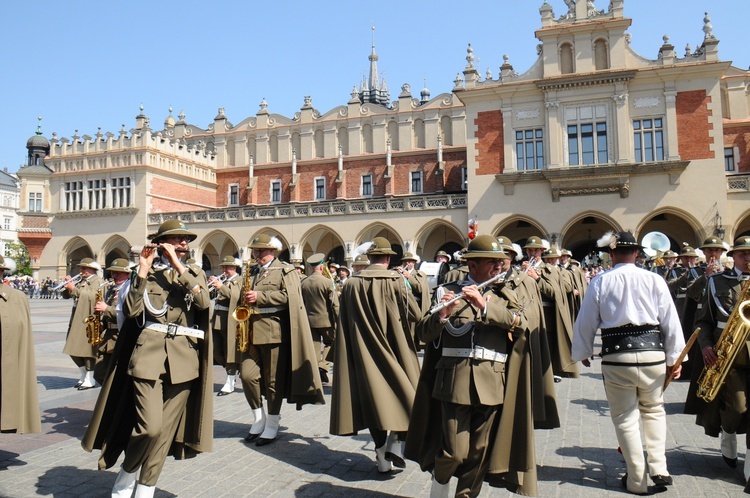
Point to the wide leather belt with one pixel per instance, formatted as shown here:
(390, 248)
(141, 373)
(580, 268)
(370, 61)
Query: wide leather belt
(679, 295)
(478, 353)
(172, 329)
(631, 338)
(220, 307)
(548, 303)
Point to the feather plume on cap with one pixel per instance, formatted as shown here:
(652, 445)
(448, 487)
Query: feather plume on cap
(519, 251)
(361, 249)
(545, 243)
(609, 240)
(457, 255)
(276, 243)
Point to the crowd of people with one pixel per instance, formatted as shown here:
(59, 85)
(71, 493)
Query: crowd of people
(455, 377)
(35, 289)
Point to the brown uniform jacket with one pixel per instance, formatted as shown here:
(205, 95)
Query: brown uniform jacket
(76, 343)
(138, 353)
(555, 287)
(228, 295)
(375, 356)
(19, 406)
(321, 301)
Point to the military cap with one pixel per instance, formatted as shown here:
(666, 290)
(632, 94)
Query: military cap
(534, 243)
(3, 265)
(316, 259)
(264, 241)
(346, 269)
(120, 264)
(741, 244)
(551, 253)
(619, 240)
(299, 265)
(712, 242)
(484, 246)
(172, 227)
(669, 254)
(333, 264)
(361, 260)
(688, 251)
(408, 256)
(443, 253)
(506, 244)
(89, 263)
(229, 261)
(380, 246)
(566, 252)
(574, 262)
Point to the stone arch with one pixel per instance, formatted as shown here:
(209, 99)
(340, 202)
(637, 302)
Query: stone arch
(114, 247)
(251, 148)
(519, 228)
(71, 254)
(600, 49)
(740, 228)
(566, 54)
(446, 130)
(419, 134)
(393, 134)
(319, 144)
(283, 254)
(320, 238)
(368, 146)
(580, 233)
(379, 229)
(438, 235)
(214, 246)
(677, 224)
(230, 155)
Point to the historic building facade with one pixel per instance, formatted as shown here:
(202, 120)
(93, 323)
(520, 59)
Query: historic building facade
(592, 137)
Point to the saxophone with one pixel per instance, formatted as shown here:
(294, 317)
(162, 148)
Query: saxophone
(242, 312)
(731, 341)
(94, 321)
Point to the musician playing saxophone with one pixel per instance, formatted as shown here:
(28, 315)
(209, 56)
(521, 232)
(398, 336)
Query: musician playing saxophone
(83, 294)
(731, 404)
(279, 328)
(112, 315)
(223, 325)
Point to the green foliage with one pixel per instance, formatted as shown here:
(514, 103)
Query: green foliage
(17, 251)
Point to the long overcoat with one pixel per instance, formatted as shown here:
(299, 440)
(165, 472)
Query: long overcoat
(84, 293)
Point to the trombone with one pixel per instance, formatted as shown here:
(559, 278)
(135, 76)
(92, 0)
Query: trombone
(62, 284)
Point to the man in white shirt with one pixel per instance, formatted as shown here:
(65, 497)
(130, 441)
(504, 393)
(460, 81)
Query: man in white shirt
(641, 341)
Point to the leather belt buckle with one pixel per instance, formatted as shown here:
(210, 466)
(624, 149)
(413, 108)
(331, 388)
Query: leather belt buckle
(172, 330)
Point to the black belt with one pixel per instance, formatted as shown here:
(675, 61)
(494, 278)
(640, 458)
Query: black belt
(631, 338)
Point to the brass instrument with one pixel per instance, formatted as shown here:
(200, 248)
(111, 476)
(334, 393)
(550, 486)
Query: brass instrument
(62, 284)
(731, 341)
(94, 322)
(534, 263)
(213, 292)
(242, 312)
(460, 295)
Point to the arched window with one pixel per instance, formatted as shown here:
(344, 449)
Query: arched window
(251, 149)
(566, 59)
(273, 148)
(601, 59)
(446, 130)
(367, 139)
(230, 153)
(393, 134)
(343, 136)
(296, 145)
(419, 142)
(318, 144)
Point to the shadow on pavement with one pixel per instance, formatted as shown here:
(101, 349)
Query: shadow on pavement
(599, 406)
(66, 420)
(327, 489)
(9, 459)
(68, 481)
(53, 383)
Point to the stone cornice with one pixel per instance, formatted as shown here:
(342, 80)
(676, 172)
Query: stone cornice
(66, 215)
(582, 80)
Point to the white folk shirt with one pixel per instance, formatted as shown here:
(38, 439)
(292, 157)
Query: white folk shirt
(622, 296)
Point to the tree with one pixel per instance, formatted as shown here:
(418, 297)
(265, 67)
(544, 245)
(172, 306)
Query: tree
(18, 253)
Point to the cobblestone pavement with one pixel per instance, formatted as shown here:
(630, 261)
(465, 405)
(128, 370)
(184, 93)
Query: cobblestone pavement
(579, 459)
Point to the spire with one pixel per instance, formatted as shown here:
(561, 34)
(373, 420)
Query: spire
(373, 79)
(374, 89)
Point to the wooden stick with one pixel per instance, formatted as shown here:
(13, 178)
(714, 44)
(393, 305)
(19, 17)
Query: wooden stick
(684, 352)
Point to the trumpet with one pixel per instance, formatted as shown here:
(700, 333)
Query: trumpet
(62, 284)
(533, 263)
(213, 292)
(460, 295)
(715, 265)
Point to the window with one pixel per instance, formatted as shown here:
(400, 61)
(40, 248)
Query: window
(587, 144)
(234, 194)
(729, 159)
(276, 191)
(464, 178)
(648, 137)
(73, 196)
(35, 202)
(97, 194)
(416, 182)
(6, 223)
(120, 192)
(320, 188)
(566, 58)
(366, 185)
(529, 149)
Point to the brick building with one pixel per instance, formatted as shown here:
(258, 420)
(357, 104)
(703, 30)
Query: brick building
(591, 137)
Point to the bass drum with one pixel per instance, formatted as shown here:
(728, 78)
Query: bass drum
(435, 272)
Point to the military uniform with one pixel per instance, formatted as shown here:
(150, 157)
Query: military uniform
(321, 300)
(224, 326)
(19, 401)
(77, 345)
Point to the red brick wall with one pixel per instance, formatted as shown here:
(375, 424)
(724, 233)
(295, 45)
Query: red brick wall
(693, 126)
(739, 136)
(35, 243)
(490, 143)
(176, 191)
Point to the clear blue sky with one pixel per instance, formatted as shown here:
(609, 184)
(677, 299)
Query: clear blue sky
(83, 64)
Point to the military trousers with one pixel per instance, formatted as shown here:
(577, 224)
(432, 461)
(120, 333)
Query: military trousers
(465, 439)
(634, 385)
(733, 395)
(159, 406)
(325, 336)
(265, 370)
(221, 352)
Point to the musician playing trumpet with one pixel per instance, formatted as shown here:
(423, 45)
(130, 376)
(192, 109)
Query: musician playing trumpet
(83, 292)
(158, 395)
(727, 413)
(227, 289)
